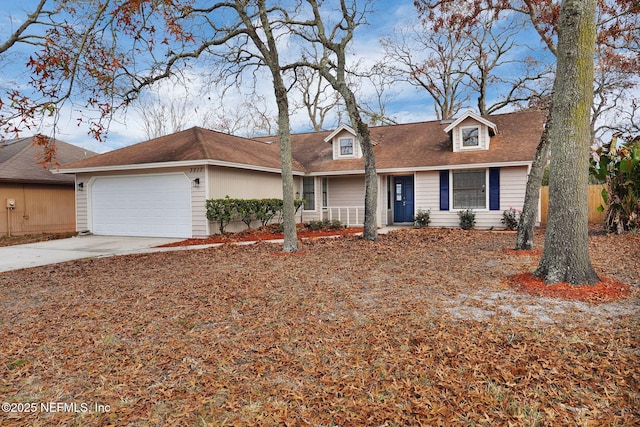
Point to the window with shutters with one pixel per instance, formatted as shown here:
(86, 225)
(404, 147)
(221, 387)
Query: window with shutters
(469, 189)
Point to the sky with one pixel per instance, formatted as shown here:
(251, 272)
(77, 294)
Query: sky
(408, 103)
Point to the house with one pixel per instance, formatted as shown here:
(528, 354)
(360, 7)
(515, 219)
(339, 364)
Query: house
(159, 187)
(35, 200)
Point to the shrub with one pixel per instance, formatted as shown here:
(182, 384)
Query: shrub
(246, 210)
(267, 209)
(335, 224)
(511, 218)
(619, 168)
(224, 211)
(317, 225)
(422, 219)
(467, 219)
(221, 211)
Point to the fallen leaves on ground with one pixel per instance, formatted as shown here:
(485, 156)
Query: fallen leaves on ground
(33, 238)
(418, 328)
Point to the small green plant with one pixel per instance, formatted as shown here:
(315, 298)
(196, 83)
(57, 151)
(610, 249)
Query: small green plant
(422, 219)
(317, 225)
(467, 219)
(511, 218)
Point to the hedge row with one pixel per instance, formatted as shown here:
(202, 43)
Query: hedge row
(224, 211)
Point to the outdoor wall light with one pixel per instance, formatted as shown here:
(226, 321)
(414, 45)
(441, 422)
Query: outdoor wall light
(196, 182)
(81, 186)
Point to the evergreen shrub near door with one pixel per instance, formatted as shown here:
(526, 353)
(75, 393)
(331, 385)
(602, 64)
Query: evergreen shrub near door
(422, 219)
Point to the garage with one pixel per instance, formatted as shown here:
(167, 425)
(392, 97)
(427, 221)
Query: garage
(148, 205)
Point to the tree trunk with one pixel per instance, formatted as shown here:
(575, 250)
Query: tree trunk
(272, 60)
(370, 231)
(565, 257)
(524, 238)
(284, 135)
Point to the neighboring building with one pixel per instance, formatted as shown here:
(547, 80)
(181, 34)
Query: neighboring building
(42, 202)
(159, 187)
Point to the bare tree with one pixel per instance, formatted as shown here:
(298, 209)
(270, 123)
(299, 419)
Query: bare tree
(333, 41)
(493, 45)
(161, 115)
(317, 96)
(434, 61)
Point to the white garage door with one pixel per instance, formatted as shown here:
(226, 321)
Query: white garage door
(149, 205)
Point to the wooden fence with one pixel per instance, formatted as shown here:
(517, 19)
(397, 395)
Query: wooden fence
(595, 200)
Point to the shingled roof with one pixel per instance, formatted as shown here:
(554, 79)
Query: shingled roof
(426, 145)
(195, 144)
(406, 146)
(19, 162)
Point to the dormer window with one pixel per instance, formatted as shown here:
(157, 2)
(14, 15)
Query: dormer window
(470, 136)
(346, 146)
(471, 132)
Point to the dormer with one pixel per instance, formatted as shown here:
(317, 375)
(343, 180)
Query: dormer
(345, 143)
(471, 132)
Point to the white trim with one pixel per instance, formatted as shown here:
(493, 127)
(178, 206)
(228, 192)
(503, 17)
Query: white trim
(340, 128)
(207, 226)
(476, 117)
(478, 146)
(351, 155)
(315, 195)
(185, 163)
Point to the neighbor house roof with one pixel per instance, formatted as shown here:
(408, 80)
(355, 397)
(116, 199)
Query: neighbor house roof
(415, 146)
(20, 161)
(190, 146)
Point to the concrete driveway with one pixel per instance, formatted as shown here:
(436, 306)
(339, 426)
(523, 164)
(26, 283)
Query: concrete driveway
(55, 251)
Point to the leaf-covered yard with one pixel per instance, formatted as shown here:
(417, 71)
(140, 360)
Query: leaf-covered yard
(419, 328)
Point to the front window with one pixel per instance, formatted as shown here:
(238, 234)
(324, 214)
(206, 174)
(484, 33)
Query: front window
(469, 189)
(309, 193)
(346, 146)
(470, 137)
(325, 199)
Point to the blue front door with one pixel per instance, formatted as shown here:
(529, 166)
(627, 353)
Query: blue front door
(403, 199)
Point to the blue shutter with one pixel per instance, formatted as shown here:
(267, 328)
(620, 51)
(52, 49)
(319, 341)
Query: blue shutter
(444, 190)
(494, 189)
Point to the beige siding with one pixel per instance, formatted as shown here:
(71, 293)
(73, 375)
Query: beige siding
(82, 208)
(243, 184)
(199, 223)
(39, 209)
(346, 192)
(427, 198)
(512, 187)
